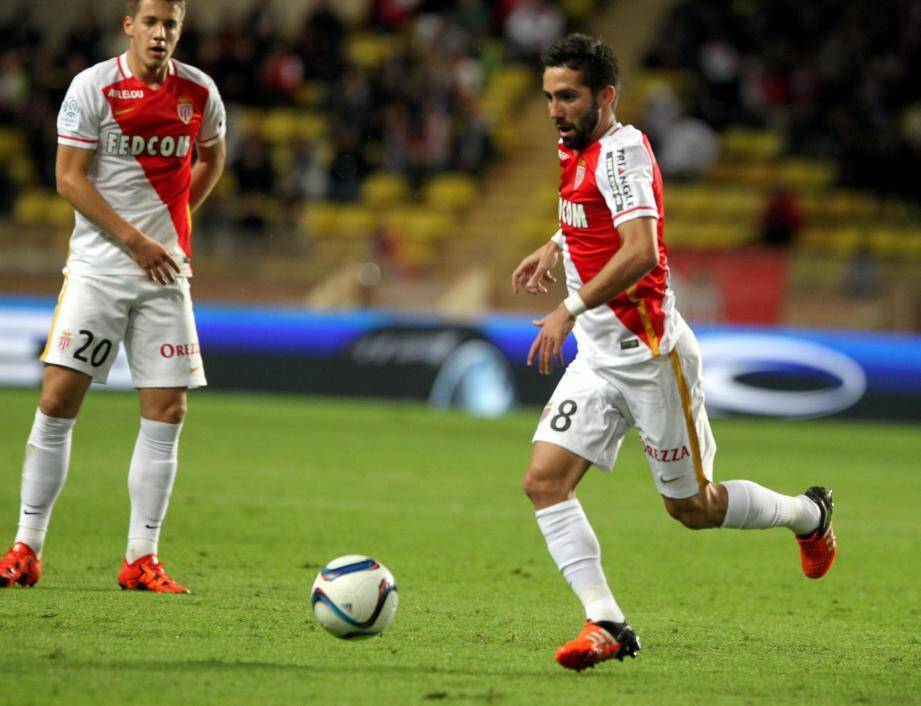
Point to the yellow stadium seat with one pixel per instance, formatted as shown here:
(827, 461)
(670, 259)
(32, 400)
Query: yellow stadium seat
(310, 93)
(578, 9)
(751, 144)
(21, 168)
(511, 80)
(369, 51)
(451, 192)
(909, 246)
(12, 142)
(813, 241)
(807, 174)
(419, 224)
(311, 126)
(534, 230)
(385, 190)
(29, 208)
(280, 126)
(353, 222)
(844, 242)
(318, 220)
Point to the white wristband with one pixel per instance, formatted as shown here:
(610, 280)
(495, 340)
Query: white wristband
(574, 304)
(558, 238)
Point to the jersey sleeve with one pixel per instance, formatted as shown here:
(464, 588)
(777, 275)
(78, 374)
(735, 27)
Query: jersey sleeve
(81, 114)
(625, 177)
(214, 119)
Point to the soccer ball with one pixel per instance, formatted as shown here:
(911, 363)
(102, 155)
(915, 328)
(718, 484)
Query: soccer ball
(354, 596)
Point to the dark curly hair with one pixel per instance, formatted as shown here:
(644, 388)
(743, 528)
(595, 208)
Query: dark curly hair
(132, 6)
(587, 55)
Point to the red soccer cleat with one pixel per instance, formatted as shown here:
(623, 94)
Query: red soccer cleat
(817, 550)
(20, 565)
(597, 643)
(147, 574)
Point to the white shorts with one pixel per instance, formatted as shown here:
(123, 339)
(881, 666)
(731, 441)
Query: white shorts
(155, 322)
(591, 411)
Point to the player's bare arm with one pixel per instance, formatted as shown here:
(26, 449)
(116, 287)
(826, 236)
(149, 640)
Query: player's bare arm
(637, 255)
(71, 168)
(206, 172)
(534, 269)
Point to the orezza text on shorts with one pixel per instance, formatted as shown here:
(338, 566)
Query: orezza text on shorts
(666, 455)
(179, 350)
(155, 146)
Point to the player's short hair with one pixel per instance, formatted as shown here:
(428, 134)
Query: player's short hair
(589, 56)
(132, 6)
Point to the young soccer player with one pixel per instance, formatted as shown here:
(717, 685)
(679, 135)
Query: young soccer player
(638, 363)
(127, 132)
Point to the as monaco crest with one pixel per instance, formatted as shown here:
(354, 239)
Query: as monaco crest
(65, 340)
(185, 109)
(580, 174)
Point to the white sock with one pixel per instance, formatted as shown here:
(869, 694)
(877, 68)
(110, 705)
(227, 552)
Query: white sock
(575, 549)
(150, 483)
(44, 471)
(752, 506)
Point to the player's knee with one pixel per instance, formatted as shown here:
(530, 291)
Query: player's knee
(57, 406)
(170, 413)
(544, 489)
(175, 413)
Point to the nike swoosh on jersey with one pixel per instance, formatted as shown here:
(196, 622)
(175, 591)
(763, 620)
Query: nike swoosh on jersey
(670, 480)
(123, 111)
(197, 367)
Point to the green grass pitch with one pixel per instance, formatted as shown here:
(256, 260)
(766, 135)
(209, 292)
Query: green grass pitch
(272, 487)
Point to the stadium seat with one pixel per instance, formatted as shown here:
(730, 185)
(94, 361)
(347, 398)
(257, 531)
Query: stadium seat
(12, 143)
(806, 175)
(30, 207)
(751, 145)
(450, 192)
(21, 168)
(353, 222)
(368, 51)
(385, 190)
(420, 225)
(532, 231)
(280, 126)
(844, 242)
(318, 220)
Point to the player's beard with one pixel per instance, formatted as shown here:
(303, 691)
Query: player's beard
(583, 128)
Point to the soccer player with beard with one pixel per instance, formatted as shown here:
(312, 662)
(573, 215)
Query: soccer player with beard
(638, 363)
(127, 132)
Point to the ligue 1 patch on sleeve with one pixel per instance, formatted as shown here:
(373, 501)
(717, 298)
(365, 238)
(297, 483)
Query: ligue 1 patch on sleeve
(69, 117)
(627, 345)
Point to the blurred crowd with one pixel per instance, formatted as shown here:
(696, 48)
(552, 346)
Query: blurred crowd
(417, 112)
(839, 79)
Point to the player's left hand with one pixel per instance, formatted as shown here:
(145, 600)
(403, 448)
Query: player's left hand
(534, 270)
(548, 346)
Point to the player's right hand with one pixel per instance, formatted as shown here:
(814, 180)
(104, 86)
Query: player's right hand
(534, 269)
(154, 259)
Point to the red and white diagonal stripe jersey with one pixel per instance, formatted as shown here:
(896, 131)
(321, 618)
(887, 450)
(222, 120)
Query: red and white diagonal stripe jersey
(144, 139)
(613, 180)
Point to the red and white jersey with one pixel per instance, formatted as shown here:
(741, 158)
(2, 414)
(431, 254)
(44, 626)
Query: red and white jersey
(144, 139)
(613, 180)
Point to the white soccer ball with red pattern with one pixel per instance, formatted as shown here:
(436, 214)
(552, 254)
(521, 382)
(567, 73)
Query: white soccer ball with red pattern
(354, 596)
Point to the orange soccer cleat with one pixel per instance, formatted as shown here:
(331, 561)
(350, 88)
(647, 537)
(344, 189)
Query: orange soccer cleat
(147, 574)
(817, 550)
(20, 565)
(598, 642)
